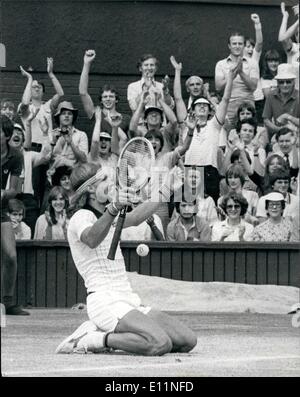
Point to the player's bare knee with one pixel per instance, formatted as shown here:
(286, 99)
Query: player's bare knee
(189, 343)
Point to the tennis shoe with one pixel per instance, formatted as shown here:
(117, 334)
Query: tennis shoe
(68, 345)
(93, 342)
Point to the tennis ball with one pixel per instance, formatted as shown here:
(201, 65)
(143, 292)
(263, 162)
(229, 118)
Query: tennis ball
(142, 250)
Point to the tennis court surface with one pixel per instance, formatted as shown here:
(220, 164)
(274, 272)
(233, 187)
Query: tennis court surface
(229, 344)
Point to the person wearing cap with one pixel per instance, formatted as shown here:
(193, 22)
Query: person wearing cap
(203, 150)
(117, 318)
(283, 100)
(153, 117)
(276, 228)
(21, 141)
(108, 99)
(71, 147)
(280, 182)
(245, 81)
(285, 35)
(106, 147)
(11, 163)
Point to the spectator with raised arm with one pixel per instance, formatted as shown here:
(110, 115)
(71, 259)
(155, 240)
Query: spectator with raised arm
(108, 98)
(203, 150)
(285, 38)
(253, 50)
(32, 100)
(153, 119)
(106, 147)
(245, 78)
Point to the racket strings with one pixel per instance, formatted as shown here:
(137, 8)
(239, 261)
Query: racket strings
(135, 165)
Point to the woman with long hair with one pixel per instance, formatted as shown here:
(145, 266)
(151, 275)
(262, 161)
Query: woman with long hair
(270, 65)
(52, 225)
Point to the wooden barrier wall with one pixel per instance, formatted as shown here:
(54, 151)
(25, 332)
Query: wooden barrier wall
(47, 276)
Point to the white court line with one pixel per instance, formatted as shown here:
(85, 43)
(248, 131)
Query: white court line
(177, 364)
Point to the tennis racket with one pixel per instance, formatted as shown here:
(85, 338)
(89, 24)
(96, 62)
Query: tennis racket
(133, 171)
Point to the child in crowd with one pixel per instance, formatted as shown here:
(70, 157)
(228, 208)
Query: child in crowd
(16, 213)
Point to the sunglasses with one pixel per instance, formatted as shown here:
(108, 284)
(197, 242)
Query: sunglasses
(275, 205)
(231, 207)
(285, 81)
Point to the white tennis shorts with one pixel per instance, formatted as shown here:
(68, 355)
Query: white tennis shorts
(106, 310)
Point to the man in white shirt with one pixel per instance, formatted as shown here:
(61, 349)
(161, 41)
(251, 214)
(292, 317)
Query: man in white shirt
(118, 320)
(245, 81)
(147, 65)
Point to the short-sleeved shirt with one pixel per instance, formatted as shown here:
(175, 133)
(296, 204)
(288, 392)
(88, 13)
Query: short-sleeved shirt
(204, 146)
(44, 112)
(218, 227)
(98, 272)
(275, 106)
(63, 148)
(239, 88)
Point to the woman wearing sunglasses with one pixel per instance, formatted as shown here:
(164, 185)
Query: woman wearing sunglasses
(234, 227)
(276, 228)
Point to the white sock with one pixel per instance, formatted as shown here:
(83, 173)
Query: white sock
(92, 342)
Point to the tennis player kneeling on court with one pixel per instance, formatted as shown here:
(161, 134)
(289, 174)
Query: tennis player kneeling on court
(118, 320)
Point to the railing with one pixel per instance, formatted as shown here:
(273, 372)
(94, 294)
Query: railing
(47, 276)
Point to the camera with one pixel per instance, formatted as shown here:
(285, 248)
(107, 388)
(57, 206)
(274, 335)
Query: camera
(64, 131)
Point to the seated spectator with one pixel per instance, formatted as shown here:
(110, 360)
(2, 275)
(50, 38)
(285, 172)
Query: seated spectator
(280, 182)
(234, 227)
(283, 100)
(287, 149)
(16, 213)
(285, 36)
(188, 226)
(61, 177)
(71, 147)
(108, 98)
(153, 119)
(203, 150)
(270, 70)
(52, 225)
(235, 179)
(276, 228)
(274, 163)
(147, 65)
(246, 111)
(7, 108)
(150, 229)
(194, 187)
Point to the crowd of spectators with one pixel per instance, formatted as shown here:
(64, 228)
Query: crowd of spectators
(238, 145)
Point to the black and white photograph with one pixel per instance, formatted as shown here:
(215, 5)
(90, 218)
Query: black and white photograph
(150, 213)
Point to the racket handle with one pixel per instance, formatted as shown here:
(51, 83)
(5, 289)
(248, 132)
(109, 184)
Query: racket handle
(117, 234)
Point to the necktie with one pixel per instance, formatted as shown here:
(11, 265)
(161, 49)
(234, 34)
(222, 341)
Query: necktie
(287, 161)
